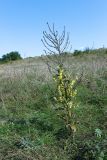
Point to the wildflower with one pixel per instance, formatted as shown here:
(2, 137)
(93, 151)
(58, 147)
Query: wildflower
(60, 74)
(70, 104)
(65, 95)
(60, 99)
(72, 82)
(54, 78)
(74, 93)
(73, 127)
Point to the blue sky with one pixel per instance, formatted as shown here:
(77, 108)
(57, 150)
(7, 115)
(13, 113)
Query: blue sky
(23, 21)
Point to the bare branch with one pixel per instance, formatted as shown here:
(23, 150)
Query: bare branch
(56, 44)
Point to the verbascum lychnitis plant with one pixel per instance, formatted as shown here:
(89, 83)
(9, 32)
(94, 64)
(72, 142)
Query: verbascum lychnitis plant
(65, 97)
(56, 45)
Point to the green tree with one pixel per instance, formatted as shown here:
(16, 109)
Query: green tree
(12, 56)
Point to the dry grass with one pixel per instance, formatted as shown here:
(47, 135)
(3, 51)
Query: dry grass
(90, 63)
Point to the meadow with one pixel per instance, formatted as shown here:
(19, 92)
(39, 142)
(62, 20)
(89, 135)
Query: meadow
(30, 128)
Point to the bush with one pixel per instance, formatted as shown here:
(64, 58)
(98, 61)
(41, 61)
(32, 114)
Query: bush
(12, 56)
(77, 52)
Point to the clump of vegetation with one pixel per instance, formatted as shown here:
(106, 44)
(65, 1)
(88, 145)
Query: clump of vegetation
(77, 52)
(88, 51)
(12, 56)
(66, 97)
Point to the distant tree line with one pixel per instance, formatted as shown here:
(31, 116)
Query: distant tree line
(87, 50)
(11, 56)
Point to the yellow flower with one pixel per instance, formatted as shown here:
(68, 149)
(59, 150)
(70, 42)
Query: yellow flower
(60, 99)
(70, 104)
(60, 76)
(54, 78)
(59, 88)
(73, 127)
(73, 82)
(75, 93)
(71, 94)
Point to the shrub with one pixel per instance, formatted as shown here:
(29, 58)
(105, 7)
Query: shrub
(12, 56)
(77, 52)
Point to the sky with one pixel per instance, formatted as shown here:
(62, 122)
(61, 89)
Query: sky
(22, 23)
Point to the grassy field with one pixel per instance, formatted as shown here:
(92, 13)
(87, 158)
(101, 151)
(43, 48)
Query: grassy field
(29, 126)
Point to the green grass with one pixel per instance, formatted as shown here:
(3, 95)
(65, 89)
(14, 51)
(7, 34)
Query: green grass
(30, 127)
